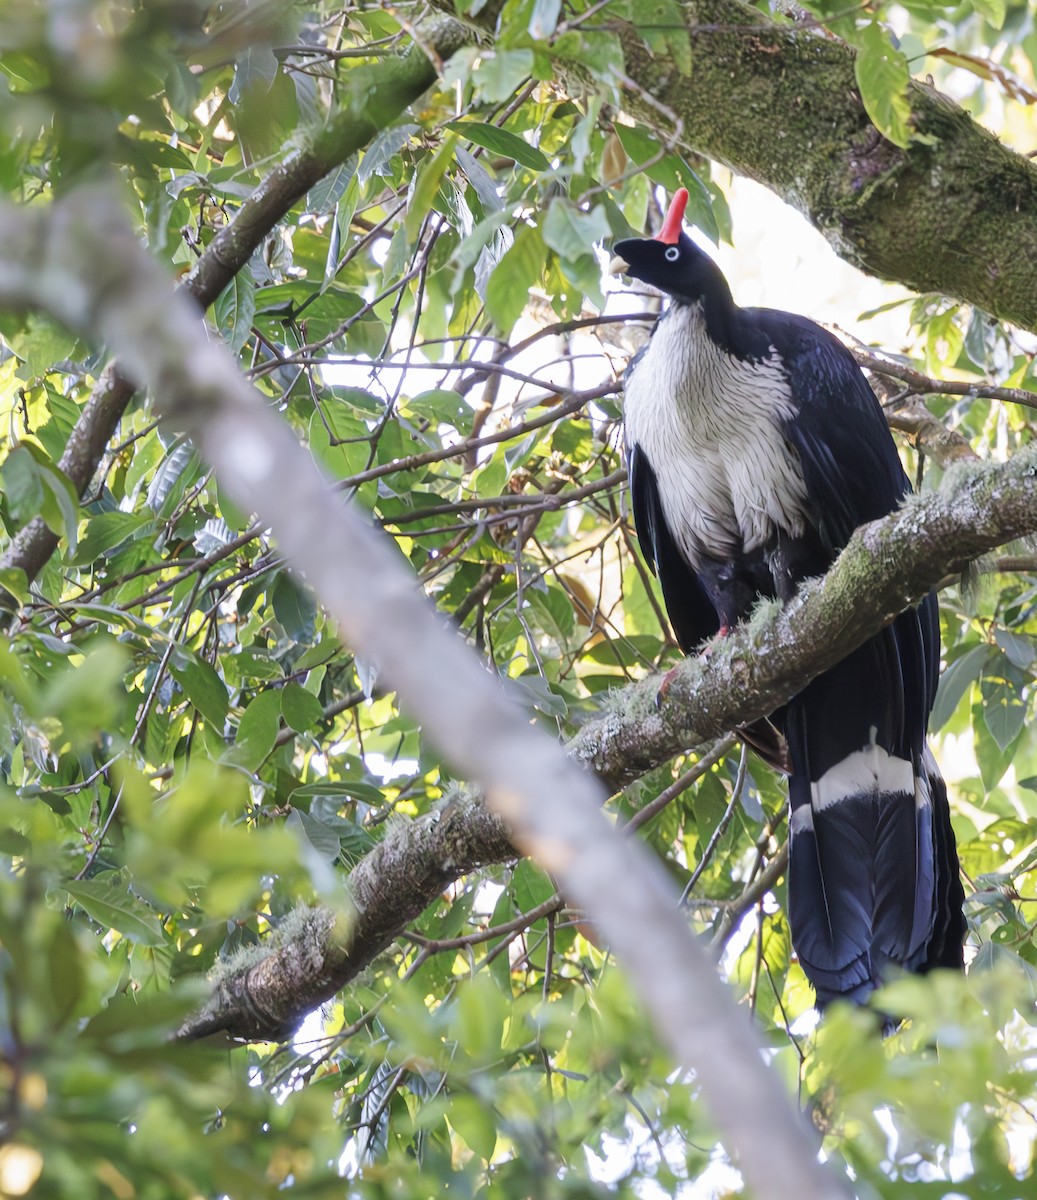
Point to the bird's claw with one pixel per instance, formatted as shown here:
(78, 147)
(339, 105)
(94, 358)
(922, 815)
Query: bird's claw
(671, 674)
(664, 688)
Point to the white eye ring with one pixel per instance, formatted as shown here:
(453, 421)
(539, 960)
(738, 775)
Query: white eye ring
(672, 253)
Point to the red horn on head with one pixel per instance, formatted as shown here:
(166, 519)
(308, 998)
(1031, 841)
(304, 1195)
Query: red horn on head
(671, 229)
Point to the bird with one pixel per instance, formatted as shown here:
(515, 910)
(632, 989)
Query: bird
(754, 448)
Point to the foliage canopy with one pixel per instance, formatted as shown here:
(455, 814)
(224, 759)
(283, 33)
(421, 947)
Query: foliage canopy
(192, 759)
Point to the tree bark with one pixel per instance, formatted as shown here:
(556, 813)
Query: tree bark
(887, 566)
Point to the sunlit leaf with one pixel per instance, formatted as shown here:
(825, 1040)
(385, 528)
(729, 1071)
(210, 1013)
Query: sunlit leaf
(502, 142)
(882, 76)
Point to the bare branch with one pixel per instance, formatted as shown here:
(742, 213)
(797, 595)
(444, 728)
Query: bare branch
(921, 384)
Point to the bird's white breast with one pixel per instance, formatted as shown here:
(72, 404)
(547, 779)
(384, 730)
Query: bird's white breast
(710, 424)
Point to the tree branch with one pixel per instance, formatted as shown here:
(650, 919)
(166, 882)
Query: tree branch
(886, 567)
(953, 213)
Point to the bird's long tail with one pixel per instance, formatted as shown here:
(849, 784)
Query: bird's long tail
(873, 872)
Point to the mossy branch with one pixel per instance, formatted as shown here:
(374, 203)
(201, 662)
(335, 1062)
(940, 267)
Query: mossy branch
(952, 213)
(888, 565)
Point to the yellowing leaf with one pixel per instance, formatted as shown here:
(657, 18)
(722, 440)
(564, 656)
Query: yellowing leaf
(985, 68)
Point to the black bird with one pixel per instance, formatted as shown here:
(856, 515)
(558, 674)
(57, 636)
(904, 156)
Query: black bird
(755, 448)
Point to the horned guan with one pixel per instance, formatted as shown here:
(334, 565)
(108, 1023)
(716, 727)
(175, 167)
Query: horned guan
(755, 447)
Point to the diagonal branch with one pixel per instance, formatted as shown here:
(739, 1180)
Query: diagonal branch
(887, 566)
(80, 262)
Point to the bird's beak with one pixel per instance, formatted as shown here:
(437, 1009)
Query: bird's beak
(618, 265)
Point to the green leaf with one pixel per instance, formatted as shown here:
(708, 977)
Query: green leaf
(475, 1124)
(42, 343)
(425, 187)
(1004, 710)
(14, 580)
(106, 532)
(554, 610)
(482, 1013)
(671, 171)
(530, 885)
(257, 730)
(323, 838)
(883, 76)
(955, 681)
(507, 292)
(300, 708)
(360, 399)
(204, 688)
(235, 309)
(326, 193)
(298, 295)
(993, 758)
(25, 70)
(441, 405)
(502, 142)
(599, 51)
(993, 11)
(114, 907)
(352, 788)
(295, 607)
(1018, 647)
(22, 485)
(501, 73)
(60, 504)
(572, 233)
(663, 25)
(543, 20)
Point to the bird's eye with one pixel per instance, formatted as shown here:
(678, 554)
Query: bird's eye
(672, 253)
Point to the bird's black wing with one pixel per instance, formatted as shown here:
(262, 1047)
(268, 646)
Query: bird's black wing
(853, 475)
(691, 612)
(850, 465)
(867, 869)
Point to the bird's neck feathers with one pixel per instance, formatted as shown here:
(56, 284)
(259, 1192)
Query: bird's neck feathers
(695, 281)
(720, 314)
(722, 320)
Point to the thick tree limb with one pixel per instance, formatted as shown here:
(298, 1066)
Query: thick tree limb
(79, 261)
(886, 567)
(953, 213)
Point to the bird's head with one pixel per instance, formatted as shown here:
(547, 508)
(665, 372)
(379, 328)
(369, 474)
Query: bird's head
(671, 261)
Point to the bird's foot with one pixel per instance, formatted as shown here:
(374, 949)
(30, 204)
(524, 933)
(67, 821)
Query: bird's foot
(671, 674)
(664, 687)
